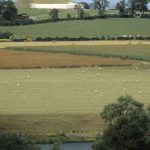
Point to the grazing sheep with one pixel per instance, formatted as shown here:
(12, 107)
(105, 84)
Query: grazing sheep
(100, 68)
(140, 92)
(96, 91)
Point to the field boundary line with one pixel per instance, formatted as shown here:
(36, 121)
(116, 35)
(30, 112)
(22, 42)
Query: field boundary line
(72, 43)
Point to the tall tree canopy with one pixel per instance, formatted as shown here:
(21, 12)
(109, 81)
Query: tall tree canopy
(8, 10)
(140, 5)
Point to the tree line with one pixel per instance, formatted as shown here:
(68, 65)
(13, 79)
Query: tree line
(126, 8)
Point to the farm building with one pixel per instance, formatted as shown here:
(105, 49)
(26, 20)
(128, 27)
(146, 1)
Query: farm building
(72, 3)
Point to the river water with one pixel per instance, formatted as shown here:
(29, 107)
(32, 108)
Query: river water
(68, 146)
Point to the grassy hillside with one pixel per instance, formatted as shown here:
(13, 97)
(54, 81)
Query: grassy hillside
(88, 28)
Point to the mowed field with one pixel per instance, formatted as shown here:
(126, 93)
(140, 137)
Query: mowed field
(43, 101)
(87, 28)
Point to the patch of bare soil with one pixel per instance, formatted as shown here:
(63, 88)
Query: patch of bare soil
(15, 59)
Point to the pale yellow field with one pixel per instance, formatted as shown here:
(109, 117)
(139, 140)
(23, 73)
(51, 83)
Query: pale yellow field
(69, 43)
(69, 91)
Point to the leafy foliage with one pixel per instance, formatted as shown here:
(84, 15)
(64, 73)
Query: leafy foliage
(8, 10)
(14, 142)
(128, 125)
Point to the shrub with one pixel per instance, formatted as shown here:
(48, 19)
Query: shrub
(68, 15)
(54, 15)
(125, 37)
(5, 35)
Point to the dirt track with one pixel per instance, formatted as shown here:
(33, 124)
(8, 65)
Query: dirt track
(16, 59)
(67, 43)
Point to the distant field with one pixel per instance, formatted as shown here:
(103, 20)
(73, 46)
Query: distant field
(75, 95)
(50, 1)
(129, 51)
(87, 28)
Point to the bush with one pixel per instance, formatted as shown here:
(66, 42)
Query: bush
(19, 39)
(125, 37)
(68, 15)
(5, 35)
(138, 37)
(14, 142)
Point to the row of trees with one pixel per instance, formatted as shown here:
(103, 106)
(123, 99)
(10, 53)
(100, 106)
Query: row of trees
(131, 7)
(126, 8)
(8, 10)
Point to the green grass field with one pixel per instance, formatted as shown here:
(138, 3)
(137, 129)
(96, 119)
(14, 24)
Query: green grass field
(32, 101)
(87, 28)
(136, 52)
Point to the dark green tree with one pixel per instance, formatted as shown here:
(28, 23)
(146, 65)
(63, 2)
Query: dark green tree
(128, 126)
(121, 6)
(101, 5)
(132, 8)
(85, 5)
(10, 11)
(138, 5)
(14, 142)
(54, 14)
(80, 13)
